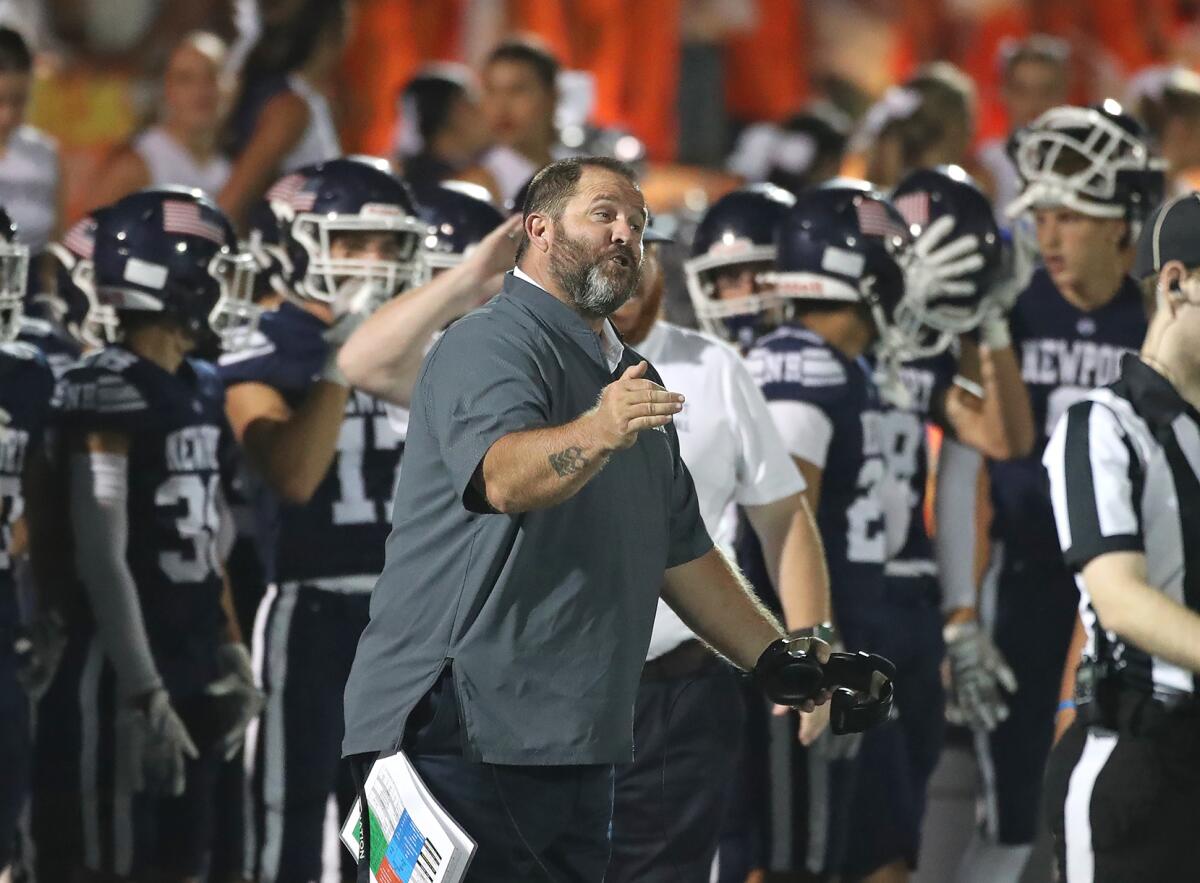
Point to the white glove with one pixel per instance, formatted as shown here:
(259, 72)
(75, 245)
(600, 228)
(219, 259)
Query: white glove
(931, 271)
(155, 747)
(236, 686)
(1002, 297)
(979, 676)
(41, 650)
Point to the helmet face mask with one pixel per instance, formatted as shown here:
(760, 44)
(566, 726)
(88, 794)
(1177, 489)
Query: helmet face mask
(713, 311)
(319, 207)
(738, 231)
(234, 317)
(14, 276)
(327, 275)
(1090, 160)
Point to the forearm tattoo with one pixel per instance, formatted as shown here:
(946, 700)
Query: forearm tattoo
(568, 462)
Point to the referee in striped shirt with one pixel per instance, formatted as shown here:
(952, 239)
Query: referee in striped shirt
(1123, 784)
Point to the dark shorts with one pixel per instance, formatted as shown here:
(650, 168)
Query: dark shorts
(1122, 806)
(536, 824)
(897, 758)
(1035, 609)
(304, 643)
(670, 802)
(14, 752)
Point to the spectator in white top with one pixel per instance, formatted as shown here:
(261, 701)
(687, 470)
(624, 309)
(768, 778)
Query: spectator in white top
(30, 176)
(181, 148)
(281, 119)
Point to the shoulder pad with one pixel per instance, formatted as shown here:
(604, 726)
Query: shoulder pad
(19, 349)
(98, 385)
(797, 361)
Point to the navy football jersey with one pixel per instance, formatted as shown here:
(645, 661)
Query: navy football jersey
(342, 529)
(794, 364)
(1064, 353)
(178, 462)
(26, 386)
(907, 453)
(60, 348)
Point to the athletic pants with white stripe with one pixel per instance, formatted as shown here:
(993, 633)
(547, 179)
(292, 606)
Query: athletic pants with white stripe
(82, 814)
(1122, 807)
(304, 643)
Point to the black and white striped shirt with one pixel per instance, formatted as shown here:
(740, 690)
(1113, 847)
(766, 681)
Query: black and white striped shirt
(1123, 467)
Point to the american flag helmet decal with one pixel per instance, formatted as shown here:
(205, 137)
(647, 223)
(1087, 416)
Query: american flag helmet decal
(875, 220)
(184, 218)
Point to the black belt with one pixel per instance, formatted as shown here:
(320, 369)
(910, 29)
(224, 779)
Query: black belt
(1108, 701)
(688, 659)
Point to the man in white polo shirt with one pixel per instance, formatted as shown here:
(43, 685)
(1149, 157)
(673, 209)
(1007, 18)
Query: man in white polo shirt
(671, 800)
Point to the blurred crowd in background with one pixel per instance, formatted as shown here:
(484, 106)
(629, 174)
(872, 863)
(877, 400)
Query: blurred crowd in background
(800, 81)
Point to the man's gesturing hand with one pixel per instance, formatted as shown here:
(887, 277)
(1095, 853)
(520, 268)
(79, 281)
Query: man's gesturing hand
(629, 405)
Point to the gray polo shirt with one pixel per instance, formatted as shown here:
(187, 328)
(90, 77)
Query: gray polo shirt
(545, 616)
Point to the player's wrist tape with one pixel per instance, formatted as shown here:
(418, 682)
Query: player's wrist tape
(1065, 705)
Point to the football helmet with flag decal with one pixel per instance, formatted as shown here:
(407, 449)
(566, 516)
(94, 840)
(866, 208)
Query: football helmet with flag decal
(841, 243)
(327, 212)
(949, 217)
(14, 276)
(1093, 160)
(171, 251)
(459, 215)
(736, 234)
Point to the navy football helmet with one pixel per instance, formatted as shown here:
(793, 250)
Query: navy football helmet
(738, 229)
(14, 276)
(1093, 160)
(171, 251)
(931, 319)
(74, 296)
(459, 215)
(345, 196)
(840, 243)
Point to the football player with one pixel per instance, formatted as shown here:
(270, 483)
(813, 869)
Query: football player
(1089, 183)
(836, 285)
(730, 444)
(327, 458)
(467, 249)
(732, 251)
(164, 689)
(942, 207)
(26, 384)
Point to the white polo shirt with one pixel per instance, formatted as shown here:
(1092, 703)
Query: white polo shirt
(727, 438)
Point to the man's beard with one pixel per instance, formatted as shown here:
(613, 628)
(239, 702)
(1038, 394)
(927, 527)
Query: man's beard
(597, 285)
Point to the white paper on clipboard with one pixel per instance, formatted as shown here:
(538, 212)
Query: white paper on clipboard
(413, 839)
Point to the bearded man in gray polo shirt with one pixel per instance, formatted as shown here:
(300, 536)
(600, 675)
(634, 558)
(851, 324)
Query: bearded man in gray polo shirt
(541, 508)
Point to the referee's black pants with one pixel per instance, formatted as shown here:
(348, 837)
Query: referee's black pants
(670, 803)
(1121, 800)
